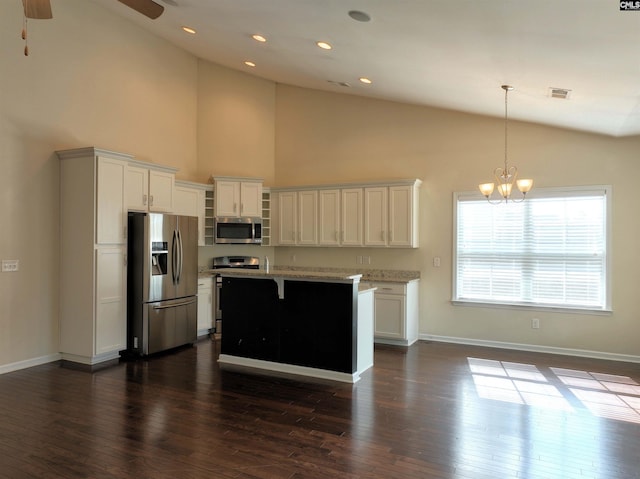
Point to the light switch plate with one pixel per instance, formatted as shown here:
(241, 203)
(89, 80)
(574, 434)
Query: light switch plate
(10, 265)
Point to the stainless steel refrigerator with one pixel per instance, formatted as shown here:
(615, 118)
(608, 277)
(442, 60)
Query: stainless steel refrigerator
(162, 282)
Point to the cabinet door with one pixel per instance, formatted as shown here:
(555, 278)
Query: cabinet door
(375, 216)
(329, 217)
(110, 210)
(186, 201)
(390, 315)
(287, 213)
(351, 226)
(251, 199)
(307, 218)
(111, 312)
(205, 306)
(161, 186)
(401, 217)
(136, 188)
(227, 202)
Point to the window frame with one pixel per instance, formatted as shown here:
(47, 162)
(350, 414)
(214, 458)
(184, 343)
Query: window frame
(550, 192)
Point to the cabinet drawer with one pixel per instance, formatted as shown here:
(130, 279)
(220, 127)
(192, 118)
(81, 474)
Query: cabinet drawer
(390, 288)
(205, 283)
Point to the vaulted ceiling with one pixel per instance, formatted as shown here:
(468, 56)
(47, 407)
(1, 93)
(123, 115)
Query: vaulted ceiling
(442, 53)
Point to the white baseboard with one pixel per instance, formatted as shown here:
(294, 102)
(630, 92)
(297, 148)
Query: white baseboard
(584, 353)
(269, 366)
(28, 363)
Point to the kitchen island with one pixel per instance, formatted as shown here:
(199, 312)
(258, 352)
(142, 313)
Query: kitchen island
(317, 324)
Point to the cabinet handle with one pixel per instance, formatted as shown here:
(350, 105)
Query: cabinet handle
(124, 232)
(150, 200)
(144, 200)
(241, 208)
(235, 207)
(125, 259)
(337, 235)
(382, 235)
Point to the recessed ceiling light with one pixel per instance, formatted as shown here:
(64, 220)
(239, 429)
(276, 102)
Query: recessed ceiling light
(359, 16)
(259, 38)
(189, 30)
(365, 80)
(324, 45)
(249, 63)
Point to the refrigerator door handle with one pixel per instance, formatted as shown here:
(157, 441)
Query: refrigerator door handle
(174, 258)
(174, 305)
(180, 258)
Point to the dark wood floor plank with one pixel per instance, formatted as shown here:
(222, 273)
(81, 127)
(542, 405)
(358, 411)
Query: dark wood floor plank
(421, 412)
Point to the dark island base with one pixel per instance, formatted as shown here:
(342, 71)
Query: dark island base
(291, 326)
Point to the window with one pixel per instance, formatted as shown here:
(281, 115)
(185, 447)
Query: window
(548, 251)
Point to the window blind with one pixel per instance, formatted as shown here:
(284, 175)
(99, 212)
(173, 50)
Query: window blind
(550, 250)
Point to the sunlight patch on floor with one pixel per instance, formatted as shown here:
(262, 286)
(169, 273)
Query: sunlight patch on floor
(604, 395)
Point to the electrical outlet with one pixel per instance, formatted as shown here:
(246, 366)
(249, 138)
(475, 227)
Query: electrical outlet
(358, 259)
(436, 261)
(10, 265)
(366, 259)
(535, 323)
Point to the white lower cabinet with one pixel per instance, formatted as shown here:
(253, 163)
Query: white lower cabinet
(111, 300)
(205, 305)
(396, 313)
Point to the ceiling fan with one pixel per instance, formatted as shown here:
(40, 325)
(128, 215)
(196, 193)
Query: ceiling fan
(41, 9)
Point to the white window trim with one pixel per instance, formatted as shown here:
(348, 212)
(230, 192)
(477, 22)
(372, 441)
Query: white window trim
(541, 193)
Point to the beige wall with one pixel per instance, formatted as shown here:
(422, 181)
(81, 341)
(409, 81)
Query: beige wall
(326, 138)
(235, 124)
(92, 79)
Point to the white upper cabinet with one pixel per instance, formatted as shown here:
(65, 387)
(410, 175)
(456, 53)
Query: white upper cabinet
(373, 215)
(390, 217)
(351, 217)
(307, 218)
(296, 217)
(190, 200)
(149, 189)
(286, 212)
(110, 212)
(238, 197)
(403, 218)
(329, 217)
(376, 216)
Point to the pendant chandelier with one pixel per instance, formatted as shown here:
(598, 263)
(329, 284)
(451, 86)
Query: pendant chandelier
(506, 176)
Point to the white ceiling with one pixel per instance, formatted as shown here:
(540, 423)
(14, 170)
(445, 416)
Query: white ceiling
(452, 54)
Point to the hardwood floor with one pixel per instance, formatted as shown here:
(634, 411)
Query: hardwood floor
(433, 411)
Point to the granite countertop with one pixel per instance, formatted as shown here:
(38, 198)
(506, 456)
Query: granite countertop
(288, 274)
(319, 273)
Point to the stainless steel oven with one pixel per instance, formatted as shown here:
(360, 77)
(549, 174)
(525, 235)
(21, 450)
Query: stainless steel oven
(248, 262)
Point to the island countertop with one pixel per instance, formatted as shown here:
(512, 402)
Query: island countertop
(328, 273)
(325, 276)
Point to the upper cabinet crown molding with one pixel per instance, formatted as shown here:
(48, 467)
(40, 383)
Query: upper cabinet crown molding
(364, 184)
(92, 151)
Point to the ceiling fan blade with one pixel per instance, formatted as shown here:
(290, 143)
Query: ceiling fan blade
(147, 7)
(38, 9)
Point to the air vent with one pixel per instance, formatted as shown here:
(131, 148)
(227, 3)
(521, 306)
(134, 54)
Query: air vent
(339, 83)
(561, 93)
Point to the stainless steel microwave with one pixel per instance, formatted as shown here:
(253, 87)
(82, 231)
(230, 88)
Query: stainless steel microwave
(230, 230)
